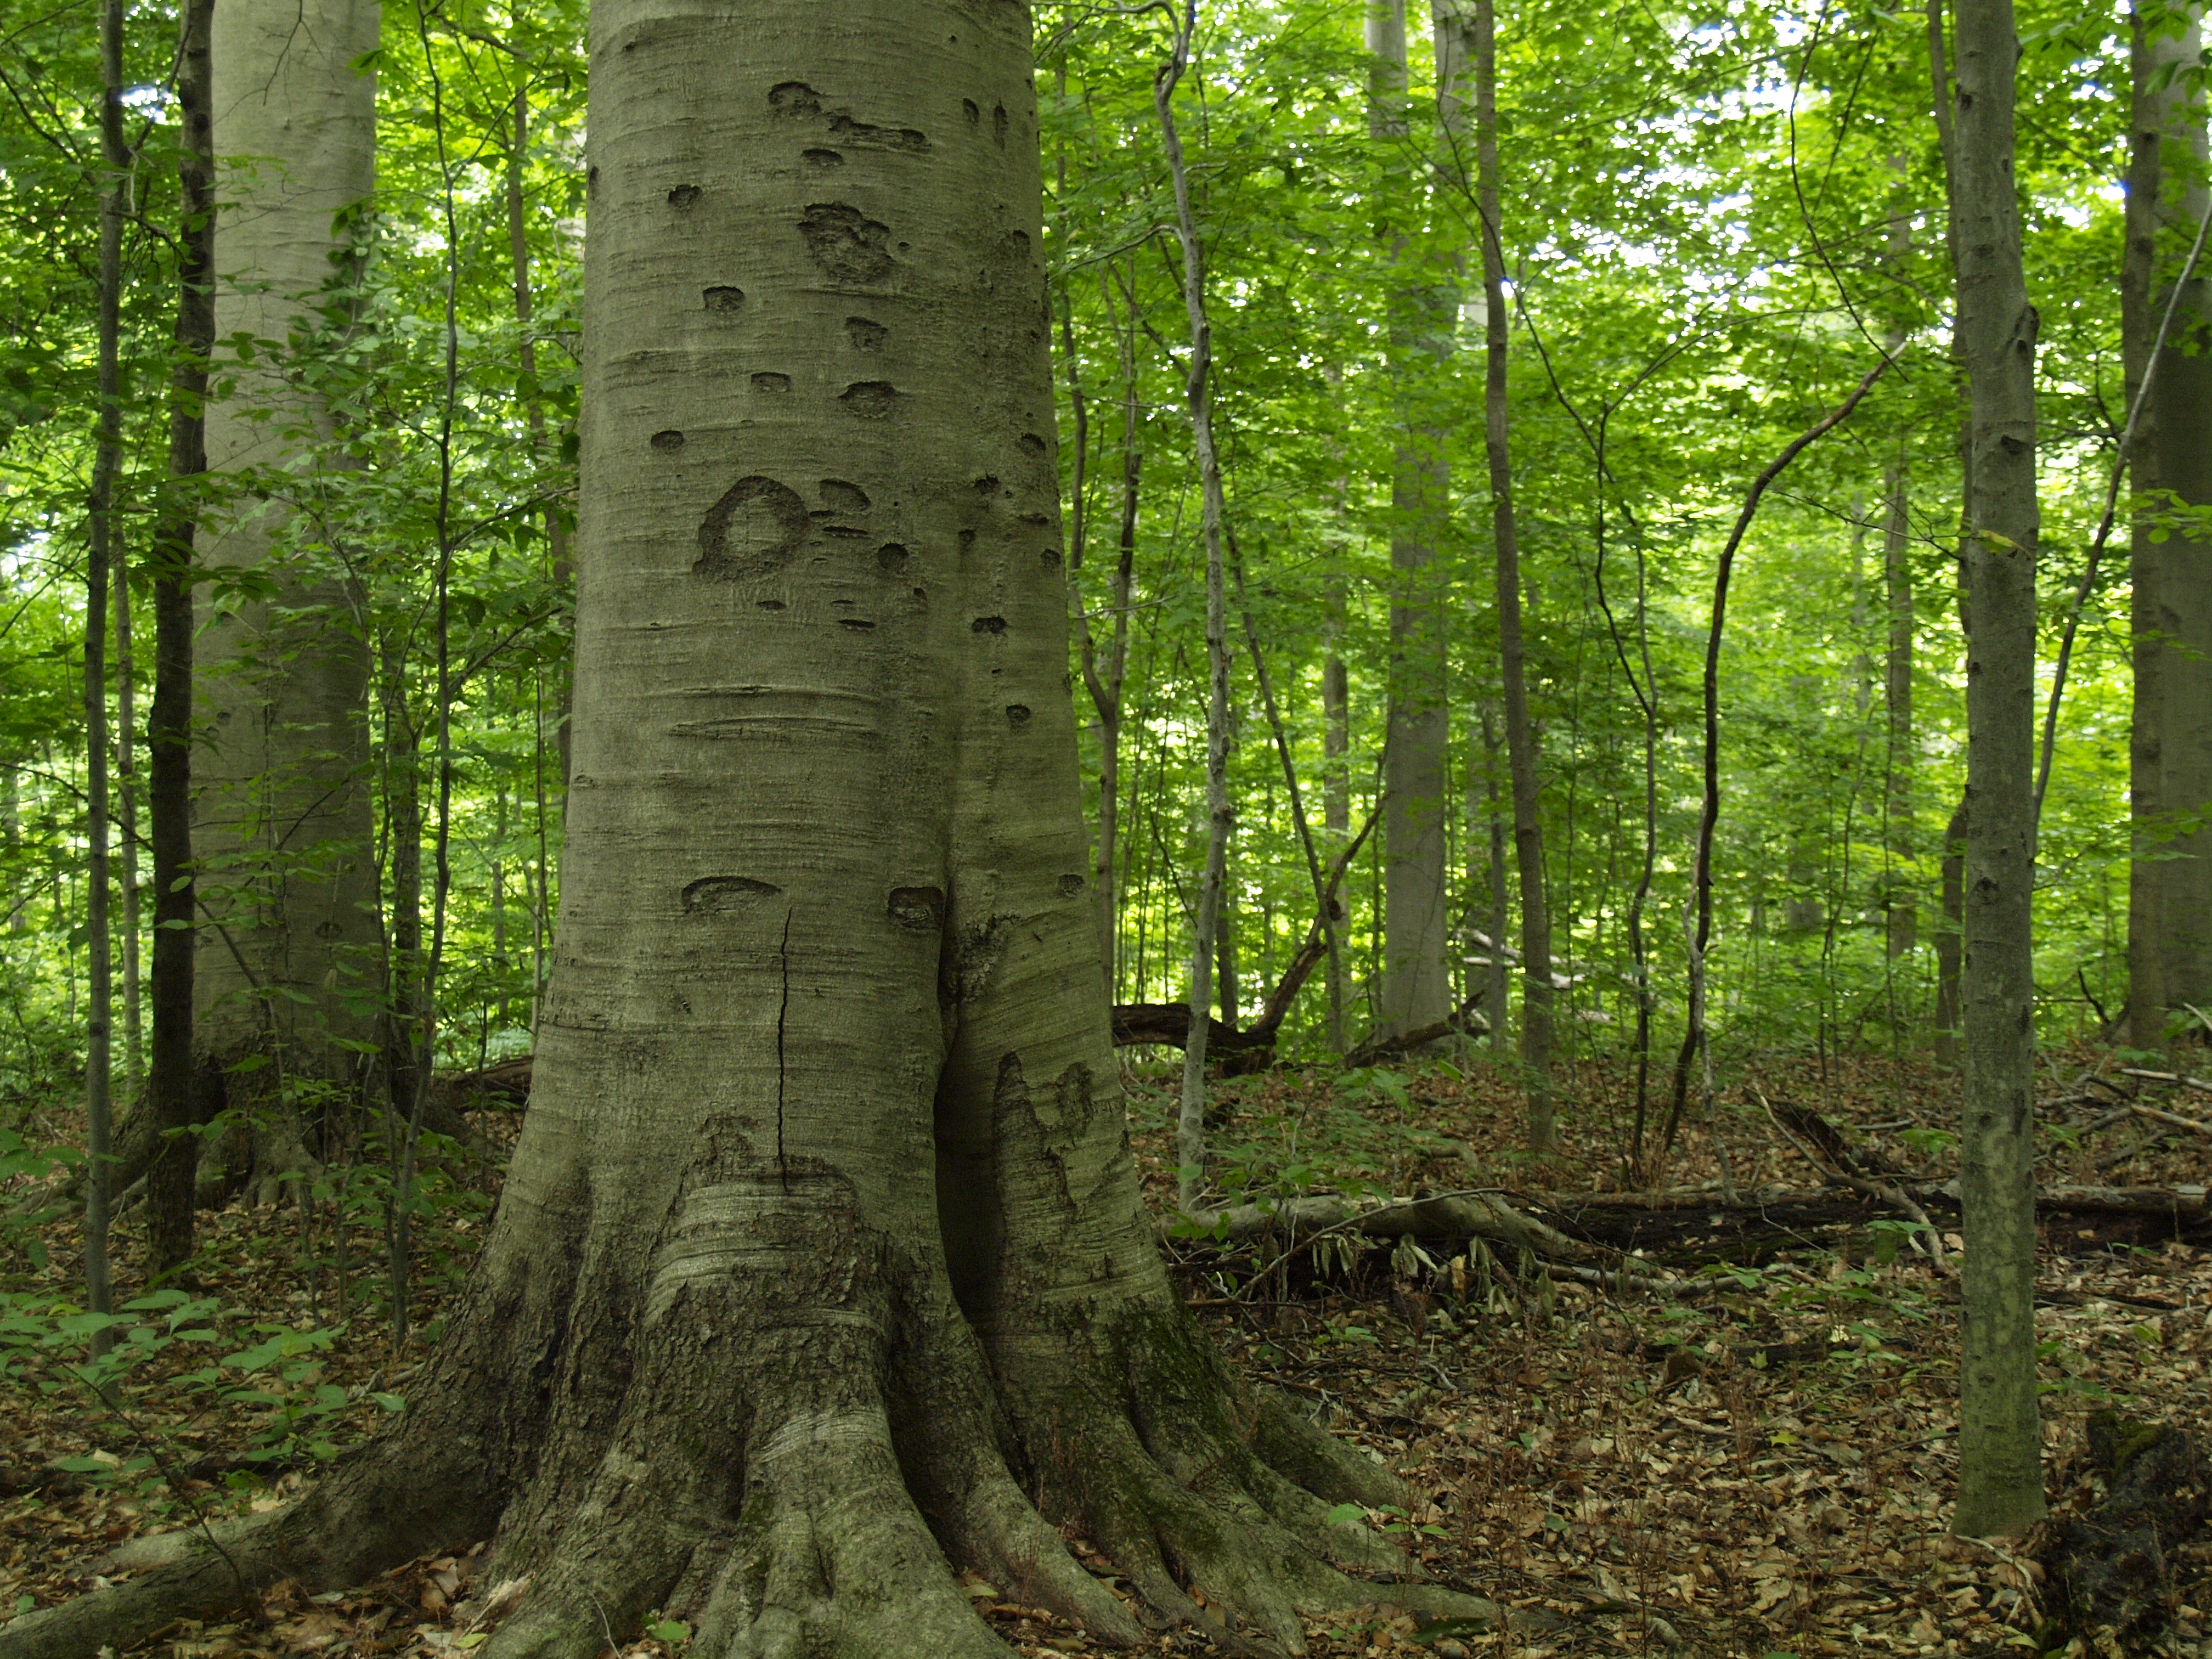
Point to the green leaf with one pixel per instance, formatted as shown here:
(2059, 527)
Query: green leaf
(1346, 1515)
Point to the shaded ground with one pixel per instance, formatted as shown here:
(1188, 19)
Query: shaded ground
(1760, 1467)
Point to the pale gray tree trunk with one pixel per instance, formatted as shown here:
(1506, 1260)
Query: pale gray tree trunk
(11, 828)
(1903, 915)
(1103, 671)
(2000, 1431)
(1416, 986)
(281, 803)
(821, 1266)
(2170, 892)
(1335, 796)
(126, 820)
(1520, 735)
(1190, 1134)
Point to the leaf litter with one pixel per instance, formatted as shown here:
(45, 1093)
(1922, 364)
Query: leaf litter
(1761, 1464)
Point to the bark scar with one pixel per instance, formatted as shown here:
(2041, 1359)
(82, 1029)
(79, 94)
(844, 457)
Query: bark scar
(783, 1010)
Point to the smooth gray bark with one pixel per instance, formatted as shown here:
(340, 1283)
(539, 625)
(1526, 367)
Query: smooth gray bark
(282, 808)
(126, 824)
(1903, 919)
(2000, 1431)
(2170, 456)
(821, 1266)
(1417, 979)
(1335, 798)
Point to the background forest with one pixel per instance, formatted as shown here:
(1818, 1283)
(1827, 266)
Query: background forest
(1714, 223)
(1511, 504)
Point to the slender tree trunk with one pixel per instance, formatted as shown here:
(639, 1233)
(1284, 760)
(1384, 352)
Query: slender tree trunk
(1117, 663)
(2000, 1432)
(126, 818)
(1416, 987)
(1499, 973)
(1335, 796)
(173, 1100)
(99, 567)
(2170, 892)
(1950, 939)
(1103, 680)
(283, 798)
(1190, 1142)
(11, 824)
(822, 1266)
(1520, 737)
(1904, 917)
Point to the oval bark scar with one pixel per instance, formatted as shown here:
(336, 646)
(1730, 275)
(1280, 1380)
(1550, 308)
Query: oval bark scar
(771, 523)
(711, 894)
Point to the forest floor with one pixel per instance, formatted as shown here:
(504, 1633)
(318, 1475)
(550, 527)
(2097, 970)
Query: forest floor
(1760, 1463)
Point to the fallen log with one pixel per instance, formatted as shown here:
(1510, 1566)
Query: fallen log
(505, 1084)
(2167, 1203)
(1446, 1215)
(1827, 1150)
(1169, 1022)
(1462, 1020)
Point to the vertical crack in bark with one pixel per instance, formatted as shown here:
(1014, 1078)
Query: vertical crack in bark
(782, 1014)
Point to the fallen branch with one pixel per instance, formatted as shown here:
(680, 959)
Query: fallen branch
(1475, 1213)
(1465, 1018)
(2184, 1080)
(2174, 1118)
(1169, 1022)
(1836, 1158)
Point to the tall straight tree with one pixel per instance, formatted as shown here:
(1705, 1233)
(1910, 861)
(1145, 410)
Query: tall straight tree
(2000, 1431)
(1207, 916)
(1512, 653)
(1416, 982)
(823, 1218)
(2170, 883)
(172, 1103)
(282, 815)
(103, 570)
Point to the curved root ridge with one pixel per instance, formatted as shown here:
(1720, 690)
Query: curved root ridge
(828, 1554)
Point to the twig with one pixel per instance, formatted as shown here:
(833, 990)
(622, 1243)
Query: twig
(2184, 1080)
(1894, 1196)
(2174, 1118)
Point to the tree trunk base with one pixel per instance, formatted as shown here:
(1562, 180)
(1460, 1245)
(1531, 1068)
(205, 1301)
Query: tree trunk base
(809, 1440)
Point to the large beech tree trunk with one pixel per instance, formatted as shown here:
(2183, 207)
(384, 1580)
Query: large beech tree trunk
(821, 1259)
(2000, 1434)
(2170, 891)
(282, 814)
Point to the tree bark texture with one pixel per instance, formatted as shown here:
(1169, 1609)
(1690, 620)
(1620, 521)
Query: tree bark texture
(821, 1264)
(1950, 939)
(173, 1102)
(281, 815)
(1417, 979)
(2170, 883)
(2000, 1432)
